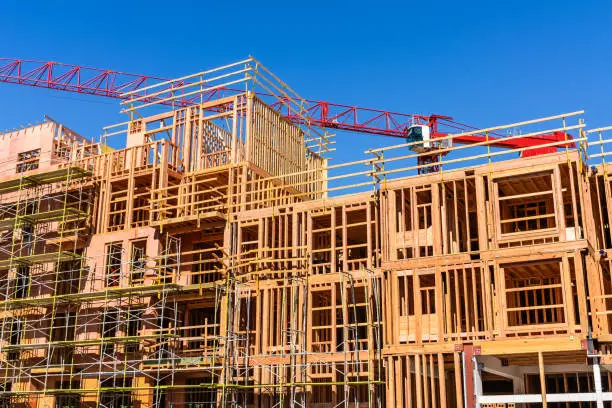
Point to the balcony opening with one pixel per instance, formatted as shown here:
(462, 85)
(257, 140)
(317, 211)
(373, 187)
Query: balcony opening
(534, 295)
(526, 206)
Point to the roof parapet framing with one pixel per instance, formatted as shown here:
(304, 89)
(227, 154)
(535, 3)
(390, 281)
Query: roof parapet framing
(246, 76)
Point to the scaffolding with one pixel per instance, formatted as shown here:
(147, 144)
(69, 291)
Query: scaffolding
(51, 301)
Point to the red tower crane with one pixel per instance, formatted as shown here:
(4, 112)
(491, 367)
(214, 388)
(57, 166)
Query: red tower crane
(112, 84)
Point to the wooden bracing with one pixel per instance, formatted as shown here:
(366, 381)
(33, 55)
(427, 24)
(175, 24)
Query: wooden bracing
(219, 260)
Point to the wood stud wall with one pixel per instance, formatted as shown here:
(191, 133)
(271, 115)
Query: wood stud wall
(479, 255)
(368, 297)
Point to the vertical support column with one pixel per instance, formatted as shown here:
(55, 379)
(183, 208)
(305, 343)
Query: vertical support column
(496, 211)
(568, 300)
(572, 187)
(471, 377)
(187, 140)
(344, 240)
(236, 141)
(369, 254)
(257, 371)
(482, 214)
(199, 149)
(419, 382)
(105, 197)
(393, 326)
(435, 219)
(444, 221)
(414, 217)
(501, 313)
(262, 238)
(249, 127)
(587, 208)
(391, 217)
(382, 222)
(162, 185)
(397, 383)
(543, 379)
(458, 377)
(489, 302)
(597, 380)
(334, 302)
(332, 238)
(308, 345)
(418, 307)
(596, 292)
(477, 381)
(558, 203)
(265, 310)
(492, 210)
(244, 185)
(439, 291)
(309, 239)
(442, 380)
(131, 186)
(387, 299)
(389, 384)
(426, 381)
(581, 291)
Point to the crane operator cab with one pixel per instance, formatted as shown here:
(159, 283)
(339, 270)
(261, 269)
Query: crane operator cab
(419, 133)
(422, 133)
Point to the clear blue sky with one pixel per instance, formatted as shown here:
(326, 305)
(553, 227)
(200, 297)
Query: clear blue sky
(484, 63)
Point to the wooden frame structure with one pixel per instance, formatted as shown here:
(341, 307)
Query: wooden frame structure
(218, 259)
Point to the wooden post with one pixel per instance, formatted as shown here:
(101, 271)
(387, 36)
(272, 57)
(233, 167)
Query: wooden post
(418, 311)
(439, 294)
(558, 203)
(568, 298)
(458, 374)
(482, 214)
(419, 381)
(542, 379)
(436, 224)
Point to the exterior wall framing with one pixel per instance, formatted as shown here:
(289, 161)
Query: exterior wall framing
(220, 260)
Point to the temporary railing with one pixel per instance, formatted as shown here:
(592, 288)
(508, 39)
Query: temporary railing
(319, 182)
(598, 145)
(392, 161)
(136, 158)
(248, 75)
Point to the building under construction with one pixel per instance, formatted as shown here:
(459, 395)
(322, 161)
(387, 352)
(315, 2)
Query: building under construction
(218, 258)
